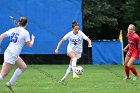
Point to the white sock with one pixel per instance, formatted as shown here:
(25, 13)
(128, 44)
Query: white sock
(69, 69)
(15, 76)
(1, 78)
(74, 62)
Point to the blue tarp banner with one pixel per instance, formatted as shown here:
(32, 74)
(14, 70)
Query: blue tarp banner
(107, 52)
(48, 20)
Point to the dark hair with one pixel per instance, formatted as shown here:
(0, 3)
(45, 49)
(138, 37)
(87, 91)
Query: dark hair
(22, 21)
(74, 23)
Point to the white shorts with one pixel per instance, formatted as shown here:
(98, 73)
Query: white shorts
(78, 54)
(10, 58)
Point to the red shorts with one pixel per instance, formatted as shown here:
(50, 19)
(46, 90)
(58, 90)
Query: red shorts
(133, 54)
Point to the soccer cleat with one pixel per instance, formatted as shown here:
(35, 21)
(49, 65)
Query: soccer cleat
(8, 84)
(135, 77)
(76, 77)
(126, 78)
(61, 81)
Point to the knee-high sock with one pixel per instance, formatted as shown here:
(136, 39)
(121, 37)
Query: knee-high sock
(133, 70)
(74, 62)
(15, 76)
(127, 71)
(69, 69)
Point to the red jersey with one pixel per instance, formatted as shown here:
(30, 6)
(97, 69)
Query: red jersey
(134, 41)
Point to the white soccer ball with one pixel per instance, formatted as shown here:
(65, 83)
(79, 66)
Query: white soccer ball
(79, 70)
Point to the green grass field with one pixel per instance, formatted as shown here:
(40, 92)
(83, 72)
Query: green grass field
(96, 79)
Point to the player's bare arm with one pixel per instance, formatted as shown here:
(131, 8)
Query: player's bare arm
(89, 42)
(2, 36)
(58, 46)
(30, 43)
(125, 49)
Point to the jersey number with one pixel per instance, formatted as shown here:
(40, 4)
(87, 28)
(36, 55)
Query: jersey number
(14, 37)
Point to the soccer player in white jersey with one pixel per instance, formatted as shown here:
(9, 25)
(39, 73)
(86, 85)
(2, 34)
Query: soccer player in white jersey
(74, 48)
(18, 37)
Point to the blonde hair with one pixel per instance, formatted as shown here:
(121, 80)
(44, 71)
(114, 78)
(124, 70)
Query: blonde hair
(133, 26)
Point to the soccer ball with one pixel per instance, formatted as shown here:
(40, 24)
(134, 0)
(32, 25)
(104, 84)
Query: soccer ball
(79, 70)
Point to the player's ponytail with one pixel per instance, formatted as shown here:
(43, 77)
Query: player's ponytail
(22, 21)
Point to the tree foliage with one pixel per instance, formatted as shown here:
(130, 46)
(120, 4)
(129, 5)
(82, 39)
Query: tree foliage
(103, 19)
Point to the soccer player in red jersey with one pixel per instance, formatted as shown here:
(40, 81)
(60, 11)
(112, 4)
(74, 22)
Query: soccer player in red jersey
(132, 53)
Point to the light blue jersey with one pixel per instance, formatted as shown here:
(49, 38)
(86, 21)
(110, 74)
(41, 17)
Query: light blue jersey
(18, 37)
(75, 41)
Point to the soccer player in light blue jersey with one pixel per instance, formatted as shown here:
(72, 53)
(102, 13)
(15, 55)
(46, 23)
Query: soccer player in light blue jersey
(74, 48)
(19, 36)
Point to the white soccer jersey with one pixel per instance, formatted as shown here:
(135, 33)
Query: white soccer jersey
(75, 41)
(18, 37)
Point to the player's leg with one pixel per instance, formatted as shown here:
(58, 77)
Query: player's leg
(126, 68)
(21, 68)
(132, 68)
(68, 71)
(73, 57)
(6, 68)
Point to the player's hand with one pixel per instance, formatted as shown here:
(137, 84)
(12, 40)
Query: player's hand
(56, 51)
(125, 49)
(89, 45)
(33, 37)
